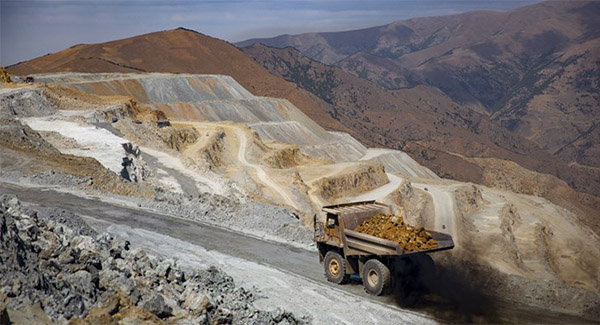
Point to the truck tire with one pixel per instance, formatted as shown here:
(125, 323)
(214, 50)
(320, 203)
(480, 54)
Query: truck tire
(335, 268)
(377, 277)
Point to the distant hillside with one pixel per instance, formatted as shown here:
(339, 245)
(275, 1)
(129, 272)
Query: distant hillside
(178, 51)
(535, 70)
(436, 131)
(419, 115)
(421, 121)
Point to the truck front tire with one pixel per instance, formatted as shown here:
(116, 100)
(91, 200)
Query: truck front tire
(376, 277)
(335, 267)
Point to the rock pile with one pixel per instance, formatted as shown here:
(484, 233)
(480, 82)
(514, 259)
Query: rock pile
(58, 267)
(134, 168)
(393, 228)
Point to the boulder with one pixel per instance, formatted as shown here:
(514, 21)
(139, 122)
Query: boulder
(82, 283)
(195, 302)
(176, 275)
(157, 306)
(163, 268)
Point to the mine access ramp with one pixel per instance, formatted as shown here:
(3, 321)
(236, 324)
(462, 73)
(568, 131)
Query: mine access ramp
(344, 251)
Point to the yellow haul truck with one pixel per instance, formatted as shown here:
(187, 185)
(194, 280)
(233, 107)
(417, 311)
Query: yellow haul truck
(345, 252)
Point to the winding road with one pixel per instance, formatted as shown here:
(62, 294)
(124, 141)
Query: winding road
(260, 172)
(443, 204)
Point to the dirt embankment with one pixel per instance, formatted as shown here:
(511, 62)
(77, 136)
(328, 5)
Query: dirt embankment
(286, 157)
(353, 181)
(512, 177)
(527, 250)
(4, 76)
(469, 199)
(180, 138)
(24, 151)
(70, 99)
(515, 247)
(208, 151)
(56, 269)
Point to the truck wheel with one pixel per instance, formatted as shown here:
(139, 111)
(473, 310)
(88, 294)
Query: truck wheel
(335, 268)
(377, 278)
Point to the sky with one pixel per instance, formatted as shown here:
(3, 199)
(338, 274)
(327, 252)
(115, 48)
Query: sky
(31, 28)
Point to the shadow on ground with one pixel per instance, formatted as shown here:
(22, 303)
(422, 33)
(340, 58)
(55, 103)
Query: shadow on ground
(444, 292)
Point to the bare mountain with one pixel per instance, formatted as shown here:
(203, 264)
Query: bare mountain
(421, 115)
(177, 51)
(535, 70)
(436, 131)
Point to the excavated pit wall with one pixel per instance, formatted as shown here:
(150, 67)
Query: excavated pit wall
(218, 98)
(363, 179)
(28, 159)
(513, 247)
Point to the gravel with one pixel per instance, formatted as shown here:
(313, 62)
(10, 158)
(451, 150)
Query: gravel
(50, 258)
(243, 215)
(258, 219)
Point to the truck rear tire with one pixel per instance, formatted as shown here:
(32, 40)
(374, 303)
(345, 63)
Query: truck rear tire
(377, 277)
(335, 268)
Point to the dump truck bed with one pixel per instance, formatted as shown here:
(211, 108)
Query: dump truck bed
(351, 215)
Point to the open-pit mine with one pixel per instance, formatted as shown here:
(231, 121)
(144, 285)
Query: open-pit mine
(193, 171)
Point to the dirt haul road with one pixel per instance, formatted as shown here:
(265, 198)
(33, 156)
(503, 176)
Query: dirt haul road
(300, 262)
(260, 172)
(443, 204)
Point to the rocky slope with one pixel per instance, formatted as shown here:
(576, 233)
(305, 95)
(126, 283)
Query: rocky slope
(534, 68)
(199, 104)
(215, 98)
(55, 268)
(75, 154)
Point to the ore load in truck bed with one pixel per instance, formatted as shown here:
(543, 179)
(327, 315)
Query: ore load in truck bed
(393, 228)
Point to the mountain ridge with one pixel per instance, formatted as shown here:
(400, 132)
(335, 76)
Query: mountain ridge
(437, 132)
(188, 51)
(179, 51)
(534, 70)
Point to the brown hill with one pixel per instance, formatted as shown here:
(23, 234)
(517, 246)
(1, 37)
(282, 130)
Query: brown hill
(436, 131)
(178, 51)
(420, 114)
(536, 68)
(366, 116)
